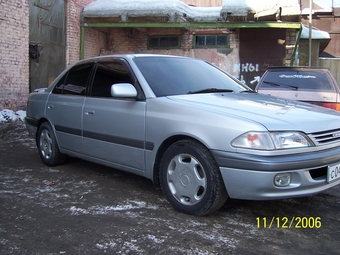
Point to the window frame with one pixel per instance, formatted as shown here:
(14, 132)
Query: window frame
(130, 73)
(59, 87)
(159, 46)
(216, 45)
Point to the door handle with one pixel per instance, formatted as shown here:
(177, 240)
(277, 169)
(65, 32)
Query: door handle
(51, 106)
(89, 113)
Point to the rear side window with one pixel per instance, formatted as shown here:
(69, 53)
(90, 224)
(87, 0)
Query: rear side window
(298, 80)
(75, 81)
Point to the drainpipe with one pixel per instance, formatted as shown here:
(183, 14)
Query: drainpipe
(310, 33)
(296, 47)
(82, 42)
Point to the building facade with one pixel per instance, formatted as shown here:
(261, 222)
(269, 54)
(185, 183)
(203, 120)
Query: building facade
(14, 62)
(241, 39)
(20, 63)
(42, 37)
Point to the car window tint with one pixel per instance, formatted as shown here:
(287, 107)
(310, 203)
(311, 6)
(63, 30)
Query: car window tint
(301, 80)
(75, 81)
(108, 74)
(176, 76)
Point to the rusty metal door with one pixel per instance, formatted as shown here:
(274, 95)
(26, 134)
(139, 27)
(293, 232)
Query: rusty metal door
(260, 48)
(47, 50)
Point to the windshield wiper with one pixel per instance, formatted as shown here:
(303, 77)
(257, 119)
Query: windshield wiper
(279, 85)
(210, 90)
(247, 91)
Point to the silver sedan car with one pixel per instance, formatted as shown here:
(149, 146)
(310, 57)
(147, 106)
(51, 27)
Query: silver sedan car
(189, 127)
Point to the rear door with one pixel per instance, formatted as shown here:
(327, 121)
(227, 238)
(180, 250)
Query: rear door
(114, 129)
(65, 107)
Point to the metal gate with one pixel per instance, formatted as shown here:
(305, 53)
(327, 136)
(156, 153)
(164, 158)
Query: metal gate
(260, 48)
(47, 49)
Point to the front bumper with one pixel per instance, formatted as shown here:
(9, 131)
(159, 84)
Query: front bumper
(251, 177)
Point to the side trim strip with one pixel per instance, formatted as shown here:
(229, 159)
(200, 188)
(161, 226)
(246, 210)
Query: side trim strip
(31, 121)
(107, 138)
(114, 139)
(72, 131)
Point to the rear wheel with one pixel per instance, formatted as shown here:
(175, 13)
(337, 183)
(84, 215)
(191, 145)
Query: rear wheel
(48, 146)
(191, 180)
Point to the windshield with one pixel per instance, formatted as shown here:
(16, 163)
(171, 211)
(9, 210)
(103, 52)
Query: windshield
(297, 80)
(176, 76)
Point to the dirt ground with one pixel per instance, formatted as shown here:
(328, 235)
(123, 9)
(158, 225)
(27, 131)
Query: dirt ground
(84, 208)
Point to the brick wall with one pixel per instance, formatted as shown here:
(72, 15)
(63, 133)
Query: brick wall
(135, 40)
(95, 43)
(14, 60)
(74, 9)
(291, 35)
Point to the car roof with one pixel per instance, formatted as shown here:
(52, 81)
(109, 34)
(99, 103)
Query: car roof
(126, 56)
(309, 68)
(136, 55)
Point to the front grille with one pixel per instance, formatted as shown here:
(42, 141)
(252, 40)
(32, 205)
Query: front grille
(325, 137)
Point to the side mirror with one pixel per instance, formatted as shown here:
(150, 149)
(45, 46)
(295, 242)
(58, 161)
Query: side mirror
(126, 90)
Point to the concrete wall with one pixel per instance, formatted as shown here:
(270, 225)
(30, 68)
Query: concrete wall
(14, 59)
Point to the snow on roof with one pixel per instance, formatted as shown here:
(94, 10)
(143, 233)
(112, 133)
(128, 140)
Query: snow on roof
(143, 8)
(242, 7)
(139, 8)
(316, 34)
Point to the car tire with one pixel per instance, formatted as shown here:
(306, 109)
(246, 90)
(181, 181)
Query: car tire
(48, 146)
(191, 180)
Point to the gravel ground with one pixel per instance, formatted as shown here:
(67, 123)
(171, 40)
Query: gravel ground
(84, 208)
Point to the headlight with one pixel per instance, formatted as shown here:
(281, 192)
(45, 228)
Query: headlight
(271, 140)
(286, 140)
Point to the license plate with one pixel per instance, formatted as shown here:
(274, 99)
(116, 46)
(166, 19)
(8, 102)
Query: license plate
(333, 172)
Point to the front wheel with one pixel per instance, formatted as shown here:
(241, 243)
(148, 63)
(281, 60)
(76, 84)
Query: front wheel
(191, 180)
(48, 146)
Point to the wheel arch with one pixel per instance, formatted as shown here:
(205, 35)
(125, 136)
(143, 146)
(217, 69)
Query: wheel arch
(41, 121)
(163, 147)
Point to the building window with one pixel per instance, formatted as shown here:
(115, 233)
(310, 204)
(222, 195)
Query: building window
(164, 42)
(211, 41)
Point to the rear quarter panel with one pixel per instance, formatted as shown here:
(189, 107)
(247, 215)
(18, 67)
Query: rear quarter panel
(36, 105)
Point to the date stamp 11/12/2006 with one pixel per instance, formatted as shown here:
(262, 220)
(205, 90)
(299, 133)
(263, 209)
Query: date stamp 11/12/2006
(288, 222)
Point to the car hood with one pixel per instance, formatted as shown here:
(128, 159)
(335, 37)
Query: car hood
(272, 112)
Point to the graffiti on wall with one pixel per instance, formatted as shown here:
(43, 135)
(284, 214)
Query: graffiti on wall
(249, 73)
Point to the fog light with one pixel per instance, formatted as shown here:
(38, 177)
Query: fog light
(282, 180)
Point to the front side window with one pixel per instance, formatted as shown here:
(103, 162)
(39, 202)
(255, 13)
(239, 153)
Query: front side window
(211, 41)
(75, 81)
(107, 74)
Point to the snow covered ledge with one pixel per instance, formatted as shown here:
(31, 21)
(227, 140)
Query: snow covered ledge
(176, 10)
(261, 8)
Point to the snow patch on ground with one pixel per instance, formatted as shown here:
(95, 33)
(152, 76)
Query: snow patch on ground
(9, 115)
(101, 210)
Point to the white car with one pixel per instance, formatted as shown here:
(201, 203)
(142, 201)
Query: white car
(313, 85)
